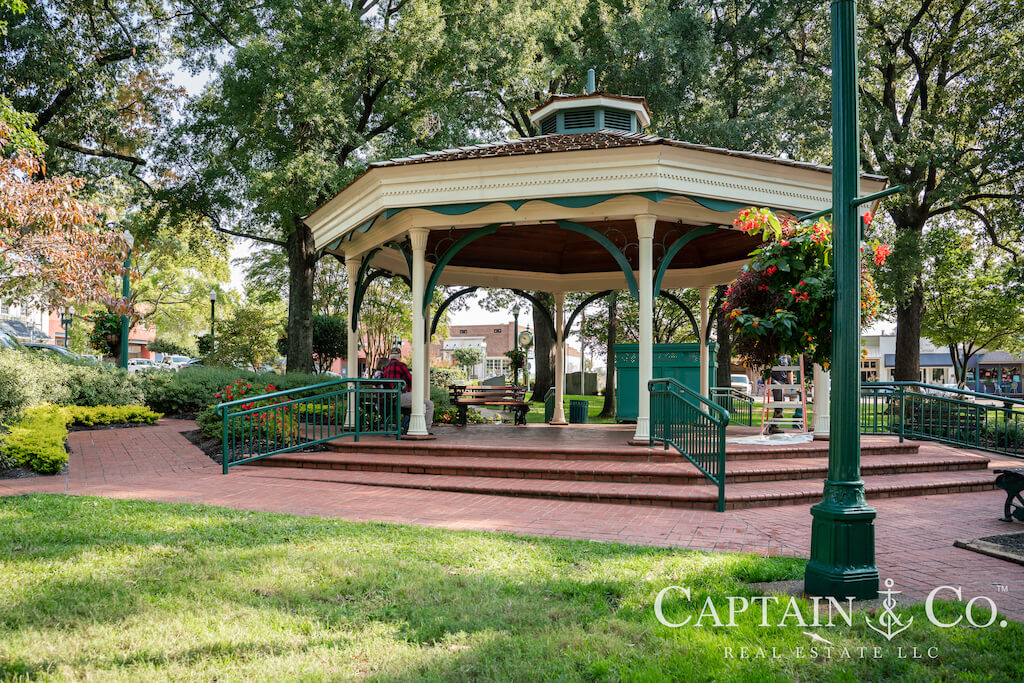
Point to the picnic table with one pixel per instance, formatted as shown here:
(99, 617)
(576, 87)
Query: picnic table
(504, 397)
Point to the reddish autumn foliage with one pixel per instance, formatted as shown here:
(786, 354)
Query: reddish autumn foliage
(53, 248)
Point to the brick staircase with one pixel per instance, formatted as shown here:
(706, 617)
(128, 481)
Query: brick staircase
(614, 473)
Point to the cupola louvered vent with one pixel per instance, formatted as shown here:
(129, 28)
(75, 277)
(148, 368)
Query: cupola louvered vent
(549, 125)
(618, 120)
(577, 119)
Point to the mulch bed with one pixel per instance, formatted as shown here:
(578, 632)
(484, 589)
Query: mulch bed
(1009, 547)
(212, 447)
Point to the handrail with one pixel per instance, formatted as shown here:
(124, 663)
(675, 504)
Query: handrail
(732, 394)
(693, 425)
(948, 390)
(918, 410)
(266, 425)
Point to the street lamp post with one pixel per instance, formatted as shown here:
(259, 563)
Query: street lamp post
(67, 316)
(515, 341)
(126, 293)
(213, 314)
(842, 559)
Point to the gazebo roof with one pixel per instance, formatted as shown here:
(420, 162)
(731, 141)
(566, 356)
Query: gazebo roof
(558, 212)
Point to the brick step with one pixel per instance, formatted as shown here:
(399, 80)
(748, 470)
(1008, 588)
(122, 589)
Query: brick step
(617, 471)
(613, 452)
(741, 495)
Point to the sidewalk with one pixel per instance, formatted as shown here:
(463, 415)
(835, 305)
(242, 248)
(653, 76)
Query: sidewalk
(914, 536)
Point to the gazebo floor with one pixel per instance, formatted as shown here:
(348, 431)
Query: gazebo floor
(595, 463)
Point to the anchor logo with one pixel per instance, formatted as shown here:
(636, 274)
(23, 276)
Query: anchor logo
(889, 622)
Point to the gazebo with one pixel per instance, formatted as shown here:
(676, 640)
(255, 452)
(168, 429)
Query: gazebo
(591, 204)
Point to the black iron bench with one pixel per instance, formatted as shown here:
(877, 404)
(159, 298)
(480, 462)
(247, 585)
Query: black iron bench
(1012, 481)
(505, 398)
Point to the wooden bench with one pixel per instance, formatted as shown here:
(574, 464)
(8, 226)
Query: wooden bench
(506, 398)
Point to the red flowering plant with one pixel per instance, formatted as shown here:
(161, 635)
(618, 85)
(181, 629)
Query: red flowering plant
(781, 304)
(277, 426)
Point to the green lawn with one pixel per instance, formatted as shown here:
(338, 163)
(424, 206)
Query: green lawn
(108, 590)
(536, 413)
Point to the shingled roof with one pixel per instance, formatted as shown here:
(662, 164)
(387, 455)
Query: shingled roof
(602, 139)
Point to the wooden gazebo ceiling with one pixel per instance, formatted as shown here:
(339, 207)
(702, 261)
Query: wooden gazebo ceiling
(549, 249)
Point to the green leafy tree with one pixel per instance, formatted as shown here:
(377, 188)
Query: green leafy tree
(972, 300)
(467, 357)
(168, 346)
(942, 91)
(248, 338)
(314, 90)
(330, 340)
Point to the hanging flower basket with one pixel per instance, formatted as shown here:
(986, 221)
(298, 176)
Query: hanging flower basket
(781, 304)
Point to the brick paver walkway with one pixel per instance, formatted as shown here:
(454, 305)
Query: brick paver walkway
(914, 535)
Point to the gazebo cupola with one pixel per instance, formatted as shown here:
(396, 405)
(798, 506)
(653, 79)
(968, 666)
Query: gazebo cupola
(589, 113)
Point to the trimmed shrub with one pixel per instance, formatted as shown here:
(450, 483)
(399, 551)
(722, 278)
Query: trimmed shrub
(37, 439)
(102, 385)
(440, 397)
(90, 416)
(192, 390)
(28, 379)
(442, 377)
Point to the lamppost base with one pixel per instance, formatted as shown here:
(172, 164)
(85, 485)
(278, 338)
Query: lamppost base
(842, 560)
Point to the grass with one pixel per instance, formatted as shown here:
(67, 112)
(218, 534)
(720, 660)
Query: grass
(536, 413)
(114, 590)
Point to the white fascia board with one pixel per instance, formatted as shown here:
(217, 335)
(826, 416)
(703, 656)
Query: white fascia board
(578, 173)
(583, 103)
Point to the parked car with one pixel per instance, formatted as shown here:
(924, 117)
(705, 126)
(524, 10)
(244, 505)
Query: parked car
(740, 383)
(9, 341)
(142, 365)
(174, 362)
(40, 347)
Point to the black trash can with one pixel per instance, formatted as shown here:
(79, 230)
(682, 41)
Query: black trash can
(578, 411)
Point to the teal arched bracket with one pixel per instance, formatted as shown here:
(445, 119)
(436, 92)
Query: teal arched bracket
(375, 275)
(444, 306)
(579, 309)
(686, 309)
(676, 247)
(449, 254)
(619, 257)
(361, 285)
(542, 307)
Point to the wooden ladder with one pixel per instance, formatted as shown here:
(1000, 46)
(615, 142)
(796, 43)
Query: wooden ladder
(794, 395)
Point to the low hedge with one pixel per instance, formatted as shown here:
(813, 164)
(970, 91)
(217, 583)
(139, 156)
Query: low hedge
(90, 416)
(191, 390)
(37, 439)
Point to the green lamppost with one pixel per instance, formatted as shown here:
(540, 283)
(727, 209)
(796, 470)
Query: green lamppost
(213, 316)
(67, 316)
(515, 341)
(126, 292)
(842, 560)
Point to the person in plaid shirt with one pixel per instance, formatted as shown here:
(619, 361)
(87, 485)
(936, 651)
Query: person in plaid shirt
(396, 369)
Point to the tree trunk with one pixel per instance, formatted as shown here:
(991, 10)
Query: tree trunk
(723, 373)
(301, 270)
(543, 350)
(608, 410)
(908, 336)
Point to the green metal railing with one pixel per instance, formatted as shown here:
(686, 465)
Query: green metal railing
(914, 410)
(260, 426)
(693, 425)
(549, 405)
(739, 405)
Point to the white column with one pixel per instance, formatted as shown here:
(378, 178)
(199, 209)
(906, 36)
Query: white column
(822, 401)
(352, 361)
(559, 416)
(417, 421)
(705, 383)
(645, 283)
